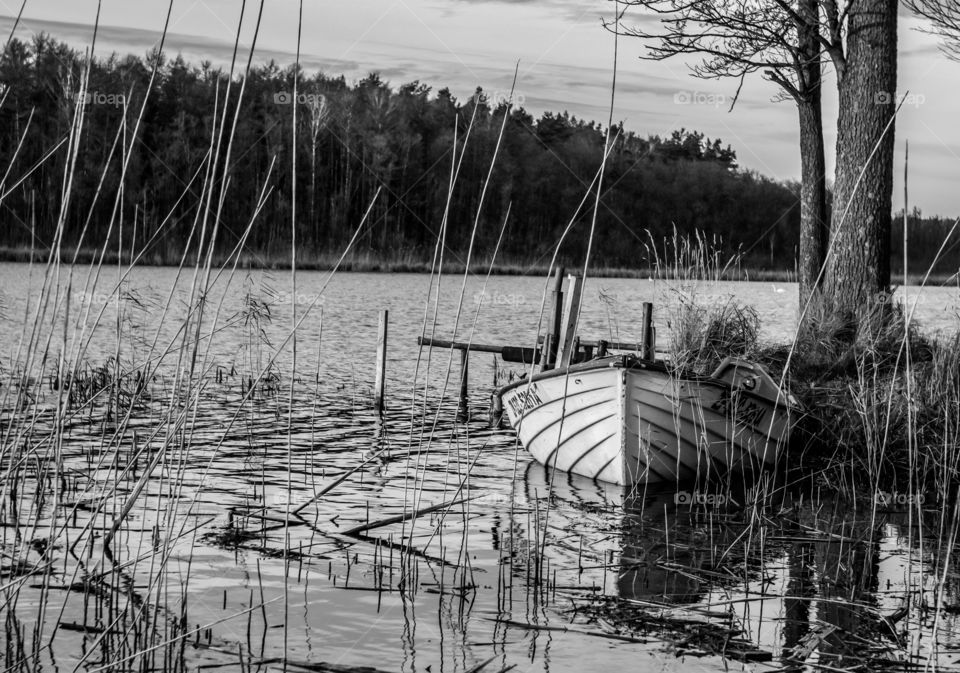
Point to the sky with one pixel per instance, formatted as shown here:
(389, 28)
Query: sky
(564, 59)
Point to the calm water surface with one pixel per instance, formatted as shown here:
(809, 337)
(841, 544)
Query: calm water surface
(534, 570)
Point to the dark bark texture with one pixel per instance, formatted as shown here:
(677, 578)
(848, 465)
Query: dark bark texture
(814, 226)
(859, 267)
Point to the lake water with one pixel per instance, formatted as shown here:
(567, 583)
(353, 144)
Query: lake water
(233, 509)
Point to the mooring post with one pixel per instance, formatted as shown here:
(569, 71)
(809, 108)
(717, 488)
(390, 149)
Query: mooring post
(568, 329)
(552, 342)
(647, 339)
(496, 411)
(549, 342)
(381, 362)
(464, 374)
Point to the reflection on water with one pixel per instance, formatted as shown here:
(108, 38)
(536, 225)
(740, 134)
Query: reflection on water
(532, 570)
(157, 525)
(787, 580)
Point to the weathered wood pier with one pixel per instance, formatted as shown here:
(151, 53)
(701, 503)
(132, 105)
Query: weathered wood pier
(560, 347)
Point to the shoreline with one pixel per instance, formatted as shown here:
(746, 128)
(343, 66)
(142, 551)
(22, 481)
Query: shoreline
(365, 262)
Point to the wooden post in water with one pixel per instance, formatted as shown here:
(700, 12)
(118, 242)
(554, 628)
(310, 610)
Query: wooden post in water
(549, 346)
(569, 324)
(552, 342)
(647, 339)
(464, 374)
(381, 363)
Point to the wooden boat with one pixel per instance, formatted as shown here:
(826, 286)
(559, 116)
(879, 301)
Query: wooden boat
(631, 418)
(628, 420)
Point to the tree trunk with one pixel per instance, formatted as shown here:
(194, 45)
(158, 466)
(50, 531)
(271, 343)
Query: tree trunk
(859, 268)
(814, 228)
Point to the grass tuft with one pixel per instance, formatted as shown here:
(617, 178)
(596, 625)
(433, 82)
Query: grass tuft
(702, 336)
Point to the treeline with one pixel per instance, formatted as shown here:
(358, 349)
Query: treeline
(350, 142)
(933, 244)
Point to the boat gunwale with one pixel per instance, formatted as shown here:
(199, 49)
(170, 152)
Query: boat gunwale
(627, 363)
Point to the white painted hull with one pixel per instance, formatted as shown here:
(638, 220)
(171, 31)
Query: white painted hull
(627, 423)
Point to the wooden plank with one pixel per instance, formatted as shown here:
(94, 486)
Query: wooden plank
(553, 335)
(571, 315)
(380, 384)
(517, 354)
(634, 346)
(508, 353)
(459, 345)
(532, 355)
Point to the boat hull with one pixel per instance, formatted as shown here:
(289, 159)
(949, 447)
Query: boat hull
(627, 422)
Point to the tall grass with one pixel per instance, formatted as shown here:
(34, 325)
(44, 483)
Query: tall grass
(881, 396)
(99, 534)
(685, 259)
(703, 330)
(72, 560)
(886, 402)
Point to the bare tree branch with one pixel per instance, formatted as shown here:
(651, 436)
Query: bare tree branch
(736, 38)
(787, 42)
(944, 15)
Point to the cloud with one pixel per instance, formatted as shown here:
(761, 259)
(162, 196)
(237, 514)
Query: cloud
(138, 41)
(577, 10)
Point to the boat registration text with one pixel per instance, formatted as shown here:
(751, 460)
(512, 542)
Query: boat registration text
(525, 400)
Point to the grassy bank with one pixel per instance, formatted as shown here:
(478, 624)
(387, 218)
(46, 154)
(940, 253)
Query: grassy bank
(880, 402)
